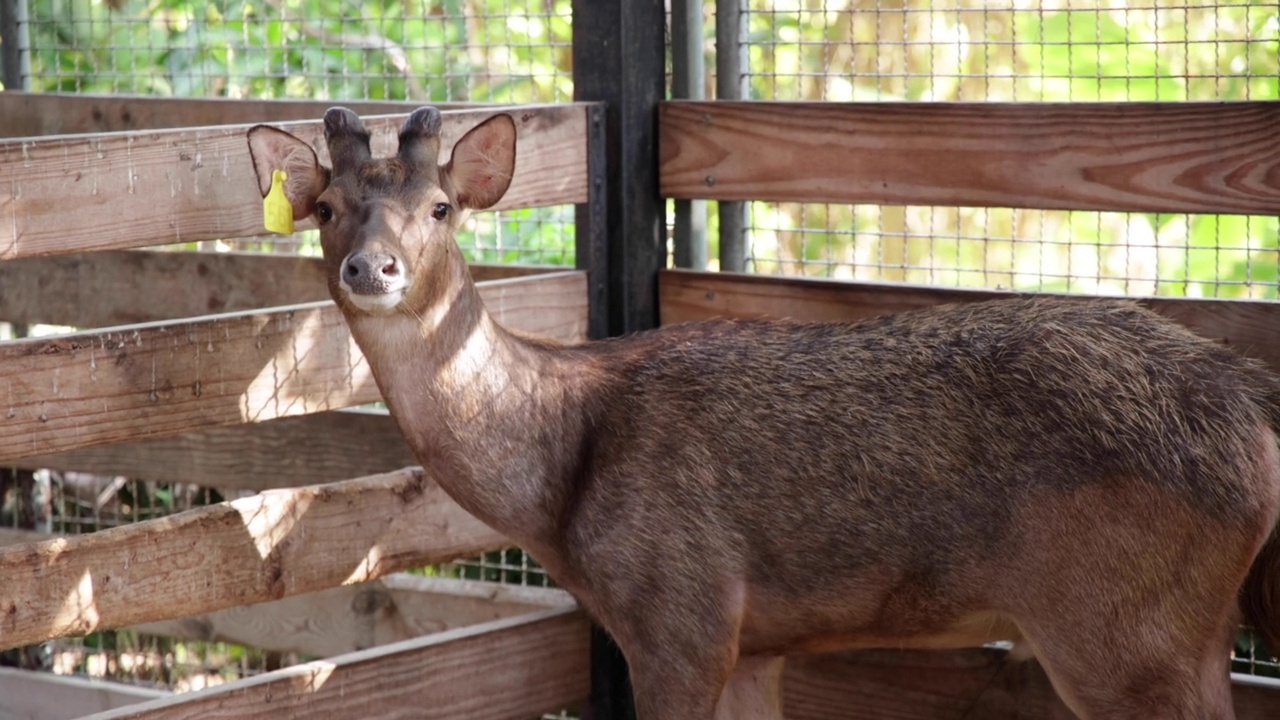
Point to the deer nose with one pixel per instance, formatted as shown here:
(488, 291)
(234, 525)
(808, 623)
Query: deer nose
(371, 273)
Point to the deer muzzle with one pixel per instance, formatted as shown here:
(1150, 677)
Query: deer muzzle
(373, 281)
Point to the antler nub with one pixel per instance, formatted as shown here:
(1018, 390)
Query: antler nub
(420, 136)
(347, 138)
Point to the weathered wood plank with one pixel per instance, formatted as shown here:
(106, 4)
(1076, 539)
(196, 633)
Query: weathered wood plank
(951, 685)
(1248, 326)
(1157, 157)
(120, 287)
(76, 193)
(354, 617)
(264, 547)
(31, 114)
(280, 453)
(72, 391)
(505, 670)
(29, 695)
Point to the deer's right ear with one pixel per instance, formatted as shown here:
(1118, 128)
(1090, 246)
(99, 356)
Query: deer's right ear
(275, 149)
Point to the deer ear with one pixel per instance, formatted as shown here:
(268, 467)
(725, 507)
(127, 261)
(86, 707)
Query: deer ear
(275, 149)
(483, 162)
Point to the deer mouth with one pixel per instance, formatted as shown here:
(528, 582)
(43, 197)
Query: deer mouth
(383, 303)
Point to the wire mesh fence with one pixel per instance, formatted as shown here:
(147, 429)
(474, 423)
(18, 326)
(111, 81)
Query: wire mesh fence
(458, 51)
(1059, 51)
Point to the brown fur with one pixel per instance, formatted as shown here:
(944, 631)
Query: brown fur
(1082, 475)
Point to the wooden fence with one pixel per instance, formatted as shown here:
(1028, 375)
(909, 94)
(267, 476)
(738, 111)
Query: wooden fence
(234, 371)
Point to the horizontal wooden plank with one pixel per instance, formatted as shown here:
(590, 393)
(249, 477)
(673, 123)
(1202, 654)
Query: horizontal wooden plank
(505, 670)
(120, 287)
(30, 695)
(31, 114)
(265, 547)
(280, 453)
(75, 193)
(1202, 157)
(355, 617)
(73, 391)
(1248, 326)
(952, 685)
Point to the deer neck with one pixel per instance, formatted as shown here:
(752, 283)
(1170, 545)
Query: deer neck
(489, 414)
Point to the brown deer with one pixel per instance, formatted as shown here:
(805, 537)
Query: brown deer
(1081, 476)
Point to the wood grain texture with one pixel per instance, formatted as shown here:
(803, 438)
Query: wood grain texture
(280, 453)
(354, 617)
(1154, 157)
(32, 114)
(30, 695)
(1247, 326)
(76, 193)
(881, 684)
(72, 391)
(509, 669)
(264, 547)
(974, 684)
(121, 287)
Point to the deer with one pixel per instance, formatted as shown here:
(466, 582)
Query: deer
(1079, 476)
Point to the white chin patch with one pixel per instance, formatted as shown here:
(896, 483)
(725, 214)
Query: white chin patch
(384, 304)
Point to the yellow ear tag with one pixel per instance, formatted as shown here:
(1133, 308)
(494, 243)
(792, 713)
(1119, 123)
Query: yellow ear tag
(277, 213)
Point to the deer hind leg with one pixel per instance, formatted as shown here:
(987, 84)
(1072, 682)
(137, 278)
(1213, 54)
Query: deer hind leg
(1130, 604)
(1099, 678)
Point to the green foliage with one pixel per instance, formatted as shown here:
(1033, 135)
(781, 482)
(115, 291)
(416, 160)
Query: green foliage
(511, 51)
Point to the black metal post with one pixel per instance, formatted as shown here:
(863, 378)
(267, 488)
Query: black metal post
(591, 226)
(15, 58)
(688, 82)
(729, 86)
(618, 59)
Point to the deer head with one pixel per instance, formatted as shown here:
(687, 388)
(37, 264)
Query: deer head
(387, 225)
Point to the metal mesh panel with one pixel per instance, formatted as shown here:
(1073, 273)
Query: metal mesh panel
(503, 51)
(968, 50)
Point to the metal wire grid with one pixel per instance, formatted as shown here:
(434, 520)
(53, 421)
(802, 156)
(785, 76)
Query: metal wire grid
(504, 51)
(969, 50)
(507, 51)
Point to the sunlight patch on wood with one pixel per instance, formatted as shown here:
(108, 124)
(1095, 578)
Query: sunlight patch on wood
(79, 610)
(270, 519)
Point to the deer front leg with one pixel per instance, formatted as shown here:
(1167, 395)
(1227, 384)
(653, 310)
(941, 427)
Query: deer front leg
(754, 690)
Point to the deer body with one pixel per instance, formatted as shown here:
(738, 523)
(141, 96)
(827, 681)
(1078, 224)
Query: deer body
(1079, 475)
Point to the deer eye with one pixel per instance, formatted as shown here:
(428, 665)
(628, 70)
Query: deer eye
(324, 212)
(440, 211)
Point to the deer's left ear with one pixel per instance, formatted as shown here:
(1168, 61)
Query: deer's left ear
(275, 149)
(483, 162)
